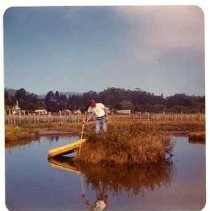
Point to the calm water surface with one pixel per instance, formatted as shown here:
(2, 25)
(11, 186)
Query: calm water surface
(33, 183)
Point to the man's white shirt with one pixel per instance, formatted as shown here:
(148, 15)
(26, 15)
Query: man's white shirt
(98, 110)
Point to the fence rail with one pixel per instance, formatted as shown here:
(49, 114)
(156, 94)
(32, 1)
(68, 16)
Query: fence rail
(38, 119)
(14, 120)
(170, 117)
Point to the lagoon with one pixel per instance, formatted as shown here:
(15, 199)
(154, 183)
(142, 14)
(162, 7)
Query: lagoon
(33, 184)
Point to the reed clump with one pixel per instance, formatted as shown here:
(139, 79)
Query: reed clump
(197, 137)
(131, 143)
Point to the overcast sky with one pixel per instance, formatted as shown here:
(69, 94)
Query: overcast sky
(157, 49)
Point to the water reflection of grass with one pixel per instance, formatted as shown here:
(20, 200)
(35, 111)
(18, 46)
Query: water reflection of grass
(116, 180)
(133, 181)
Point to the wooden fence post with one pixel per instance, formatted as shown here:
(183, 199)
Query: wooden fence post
(60, 118)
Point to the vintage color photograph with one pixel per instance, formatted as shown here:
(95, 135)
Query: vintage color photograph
(104, 108)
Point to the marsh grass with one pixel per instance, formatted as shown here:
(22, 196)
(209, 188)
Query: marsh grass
(17, 135)
(123, 130)
(131, 143)
(197, 137)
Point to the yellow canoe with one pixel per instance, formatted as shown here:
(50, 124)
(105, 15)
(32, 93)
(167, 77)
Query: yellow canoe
(66, 149)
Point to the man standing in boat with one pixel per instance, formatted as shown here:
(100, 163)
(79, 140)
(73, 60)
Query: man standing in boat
(99, 110)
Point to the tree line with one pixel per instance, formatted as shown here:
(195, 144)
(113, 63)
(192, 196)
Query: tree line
(136, 100)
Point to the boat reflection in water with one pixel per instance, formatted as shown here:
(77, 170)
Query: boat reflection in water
(105, 181)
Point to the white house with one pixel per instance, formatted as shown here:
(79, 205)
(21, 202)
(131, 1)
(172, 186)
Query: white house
(41, 111)
(16, 109)
(123, 112)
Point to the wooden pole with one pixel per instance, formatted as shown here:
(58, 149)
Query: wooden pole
(60, 117)
(81, 137)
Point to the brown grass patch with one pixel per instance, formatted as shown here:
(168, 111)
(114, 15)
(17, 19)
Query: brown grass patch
(129, 143)
(17, 135)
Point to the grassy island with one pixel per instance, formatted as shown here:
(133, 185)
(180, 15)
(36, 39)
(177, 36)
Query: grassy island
(131, 143)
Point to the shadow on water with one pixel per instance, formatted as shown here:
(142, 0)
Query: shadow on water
(105, 181)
